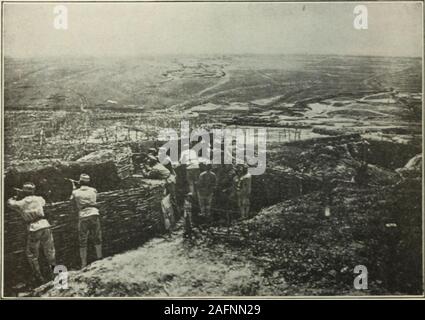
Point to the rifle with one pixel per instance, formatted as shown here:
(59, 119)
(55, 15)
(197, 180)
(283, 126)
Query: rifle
(73, 182)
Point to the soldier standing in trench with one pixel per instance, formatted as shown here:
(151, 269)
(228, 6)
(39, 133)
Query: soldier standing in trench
(84, 199)
(207, 184)
(30, 208)
(243, 190)
(189, 158)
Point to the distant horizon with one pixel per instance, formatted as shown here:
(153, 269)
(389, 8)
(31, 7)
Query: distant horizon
(206, 54)
(200, 28)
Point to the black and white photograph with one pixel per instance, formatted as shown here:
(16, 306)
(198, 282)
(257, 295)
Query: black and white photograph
(212, 150)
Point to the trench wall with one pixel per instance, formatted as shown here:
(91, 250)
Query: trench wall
(391, 155)
(128, 217)
(131, 216)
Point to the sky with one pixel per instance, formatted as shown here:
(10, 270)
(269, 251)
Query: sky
(117, 29)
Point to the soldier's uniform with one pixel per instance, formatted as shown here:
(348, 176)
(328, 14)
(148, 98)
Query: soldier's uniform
(39, 233)
(243, 191)
(89, 220)
(206, 185)
(190, 159)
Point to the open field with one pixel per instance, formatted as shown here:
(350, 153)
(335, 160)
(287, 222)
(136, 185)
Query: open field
(74, 96)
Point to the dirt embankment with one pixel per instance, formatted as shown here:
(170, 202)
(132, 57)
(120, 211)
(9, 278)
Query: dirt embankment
(289, 248)
(378, 227)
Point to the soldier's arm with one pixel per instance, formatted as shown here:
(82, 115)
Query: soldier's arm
(73, 202)
(74, 187)
(42, 201)
(13, 203)
(96, 205)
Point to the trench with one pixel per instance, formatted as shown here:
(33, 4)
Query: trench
(131, 214)
(391, 155)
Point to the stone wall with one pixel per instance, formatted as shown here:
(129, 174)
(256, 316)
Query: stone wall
(128, 217)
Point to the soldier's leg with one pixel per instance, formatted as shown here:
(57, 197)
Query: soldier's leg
(83, 233)
(32, 250)
(188, 223)
(174, 207)
(240, 206)
(202, 204)
(192, 177)
(208, 205)
(190, 180)
(247, 207)
(97, 236)
(49, 247)
(173, 197)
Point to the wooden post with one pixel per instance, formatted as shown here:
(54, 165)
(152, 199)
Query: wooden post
(41, 137)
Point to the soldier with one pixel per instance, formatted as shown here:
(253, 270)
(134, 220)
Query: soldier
(189, 158)
(207, 184)
(187, 214)
(30, 207)
(243, 191)
(84, 199)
